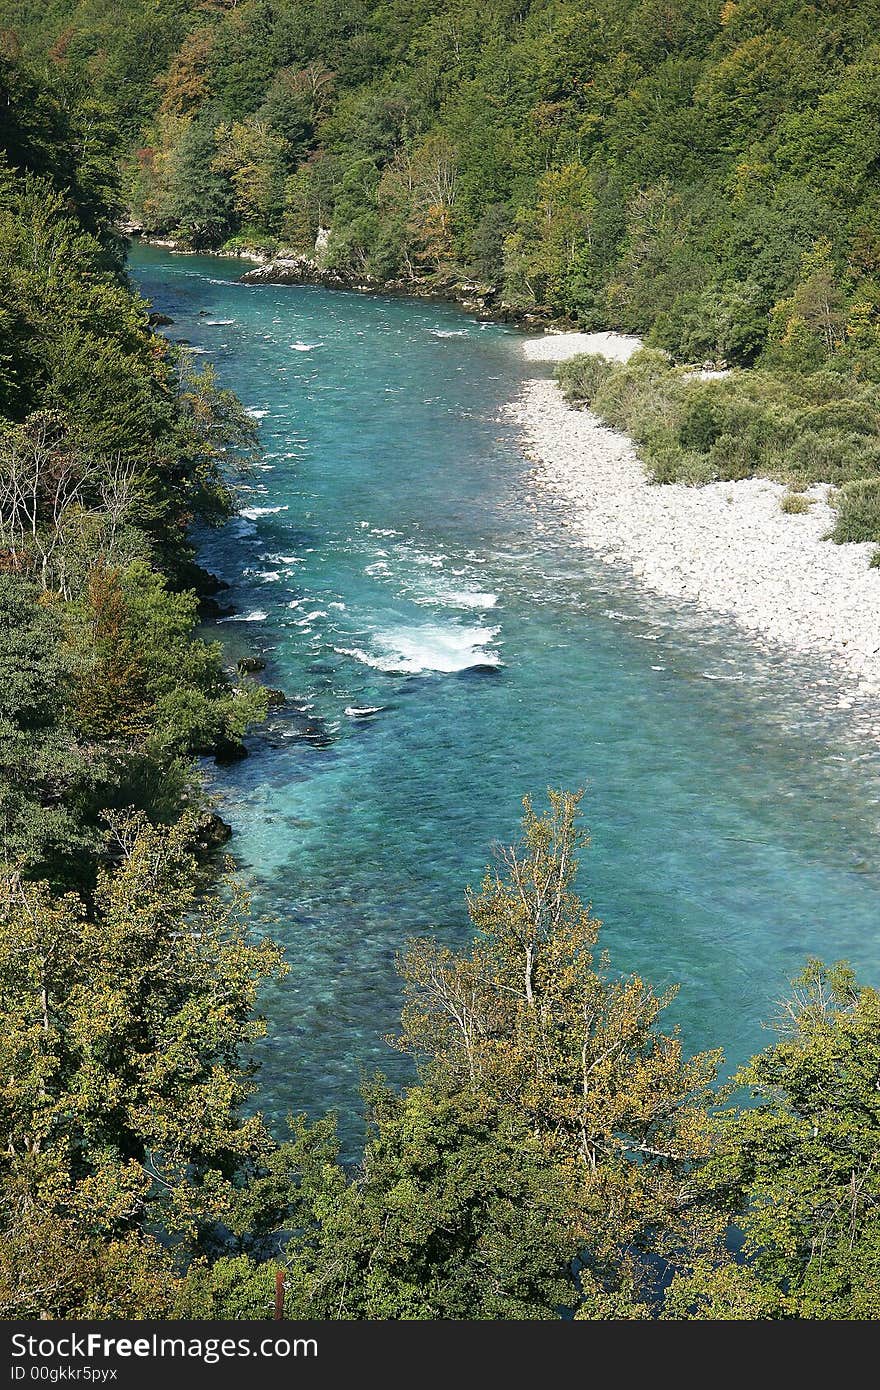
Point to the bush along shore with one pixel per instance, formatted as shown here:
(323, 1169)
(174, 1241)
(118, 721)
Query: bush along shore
(112, 445)
(798, 429)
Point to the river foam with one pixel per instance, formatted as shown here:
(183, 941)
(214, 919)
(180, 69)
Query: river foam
(416, 651)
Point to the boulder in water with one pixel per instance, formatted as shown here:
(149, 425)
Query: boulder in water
(250, 664)
(213, 832)
(229, 750)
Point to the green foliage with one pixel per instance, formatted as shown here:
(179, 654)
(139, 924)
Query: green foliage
(459, 1213)
(548, 1098)
(140, 678)
(72, 142)
(226, 1288)
(858, 511)
(111, 445)
(798, 1167)
(47, 787)
(702, 175)
(581, 377)
(663, 169)
(821, 426)
(795, 504)
(122, 1025)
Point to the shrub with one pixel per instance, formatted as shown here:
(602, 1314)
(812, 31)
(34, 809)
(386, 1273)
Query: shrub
(251, 239)
(824, 427)
(795, 503)
(731, 458)
(858, 512)
(702, 419)
(682, 466)
(831, 457)
(581, 377)
(640, 395)
(846, 416)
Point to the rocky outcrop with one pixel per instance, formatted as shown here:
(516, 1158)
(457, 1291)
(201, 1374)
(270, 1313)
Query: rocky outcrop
(481, 300)
(291, 268)
(213, 833)
(227, 750)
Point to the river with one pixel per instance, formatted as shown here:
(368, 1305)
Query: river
(450, 648)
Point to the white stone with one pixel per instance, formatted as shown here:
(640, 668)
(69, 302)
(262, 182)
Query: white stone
(559, 347)
(727, 546)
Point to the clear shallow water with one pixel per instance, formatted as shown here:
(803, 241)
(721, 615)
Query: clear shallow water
(392, 556)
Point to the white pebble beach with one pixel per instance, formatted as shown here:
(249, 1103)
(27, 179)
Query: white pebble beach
(726, 546)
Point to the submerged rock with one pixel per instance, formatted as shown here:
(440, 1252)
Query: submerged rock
(316, 733)
(208, 583)
(229, 751)
(214, 832)
(250, 664)
(210, 609)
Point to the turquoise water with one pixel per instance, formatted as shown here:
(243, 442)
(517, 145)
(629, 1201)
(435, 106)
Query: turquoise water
(393, 556)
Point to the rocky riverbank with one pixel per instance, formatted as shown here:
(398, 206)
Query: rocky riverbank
(728, 547)
(290, 268)
(482, 301)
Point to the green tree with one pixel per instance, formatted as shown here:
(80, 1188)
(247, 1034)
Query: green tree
(198, 200)
(123, 1081)
(256, 161)
(798, 1169)
(549, 236)
(807, 328)
(548, 1098)
(47, 785)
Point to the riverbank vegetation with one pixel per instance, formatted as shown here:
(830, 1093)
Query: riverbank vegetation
(126, 985)
(111, 447)
(702, 175)
(817, 427)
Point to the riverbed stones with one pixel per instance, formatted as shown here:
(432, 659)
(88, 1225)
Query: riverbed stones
(727, 547)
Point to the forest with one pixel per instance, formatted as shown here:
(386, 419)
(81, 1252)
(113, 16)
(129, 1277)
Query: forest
(702, 174)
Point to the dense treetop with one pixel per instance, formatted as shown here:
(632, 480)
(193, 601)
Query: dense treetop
(111, 446)
(706, 171)
(703, 174)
